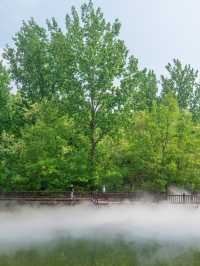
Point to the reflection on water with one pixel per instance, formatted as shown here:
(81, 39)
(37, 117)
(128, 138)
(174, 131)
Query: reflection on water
(90, 253)
(130, 234)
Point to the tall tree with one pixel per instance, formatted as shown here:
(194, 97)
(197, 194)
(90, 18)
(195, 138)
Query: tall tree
(30, 62)
(100, 58)
(183, 83)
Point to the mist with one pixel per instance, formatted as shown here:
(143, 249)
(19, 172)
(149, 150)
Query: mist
(22, 227)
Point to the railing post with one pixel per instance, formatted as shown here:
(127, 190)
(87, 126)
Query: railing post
(166, 196)
(184, 198)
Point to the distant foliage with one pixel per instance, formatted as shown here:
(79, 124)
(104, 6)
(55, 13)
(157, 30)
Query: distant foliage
(86, 115)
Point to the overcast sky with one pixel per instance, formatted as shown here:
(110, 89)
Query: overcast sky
(155, 31)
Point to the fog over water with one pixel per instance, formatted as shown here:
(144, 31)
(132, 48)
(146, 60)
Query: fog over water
(25, 226)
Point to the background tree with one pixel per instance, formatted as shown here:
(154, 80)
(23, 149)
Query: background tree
(183, 83)
(5, 122)
(141, 86)
(156, 149)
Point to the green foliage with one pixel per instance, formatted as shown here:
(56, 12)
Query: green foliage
(49, 152)
(159, 147)
(97, 99)
(141, 86)
(30, 62)
(183, 83)
(86, 114)
(4, 98)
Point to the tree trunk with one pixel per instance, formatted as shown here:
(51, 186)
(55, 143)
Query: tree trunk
(92, 151)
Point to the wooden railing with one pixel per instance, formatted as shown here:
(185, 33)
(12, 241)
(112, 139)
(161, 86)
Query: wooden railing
(97, 197)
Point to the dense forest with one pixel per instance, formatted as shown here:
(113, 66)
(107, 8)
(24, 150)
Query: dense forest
(77, 109)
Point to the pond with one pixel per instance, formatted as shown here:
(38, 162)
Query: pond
(128, 235)
(91, 253)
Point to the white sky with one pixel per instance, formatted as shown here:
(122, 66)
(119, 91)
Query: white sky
(155, 31)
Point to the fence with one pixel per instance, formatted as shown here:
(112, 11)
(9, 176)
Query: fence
(184, 199)
(96, 197)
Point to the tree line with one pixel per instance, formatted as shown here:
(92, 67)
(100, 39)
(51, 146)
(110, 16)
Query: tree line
(85, 113)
